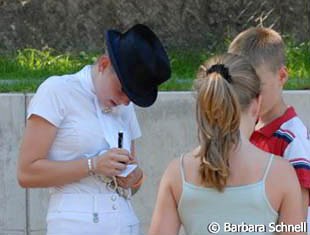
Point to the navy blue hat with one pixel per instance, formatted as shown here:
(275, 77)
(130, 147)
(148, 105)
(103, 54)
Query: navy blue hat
(139, 61)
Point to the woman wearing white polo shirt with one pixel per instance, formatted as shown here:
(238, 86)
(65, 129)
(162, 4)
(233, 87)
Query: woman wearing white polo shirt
(71, 139)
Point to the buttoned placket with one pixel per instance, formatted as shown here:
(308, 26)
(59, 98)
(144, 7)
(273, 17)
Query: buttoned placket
(113, 199)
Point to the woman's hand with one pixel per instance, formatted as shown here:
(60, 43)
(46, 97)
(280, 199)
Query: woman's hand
(127, 182)
(112, 162)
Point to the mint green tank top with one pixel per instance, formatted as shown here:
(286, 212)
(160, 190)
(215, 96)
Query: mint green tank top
(237, 210)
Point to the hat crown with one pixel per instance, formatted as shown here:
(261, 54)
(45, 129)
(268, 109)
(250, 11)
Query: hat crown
(140, 61)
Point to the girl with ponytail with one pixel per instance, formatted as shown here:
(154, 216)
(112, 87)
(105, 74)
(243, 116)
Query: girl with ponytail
(226, 179)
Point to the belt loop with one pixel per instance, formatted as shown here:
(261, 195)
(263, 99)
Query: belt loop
(95, 209)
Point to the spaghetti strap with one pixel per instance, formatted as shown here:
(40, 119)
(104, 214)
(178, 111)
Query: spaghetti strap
(181, 168)
(268, 167)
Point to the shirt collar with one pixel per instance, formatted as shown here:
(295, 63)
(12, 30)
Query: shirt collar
(87, 81)
(88, 86)
(275, 125)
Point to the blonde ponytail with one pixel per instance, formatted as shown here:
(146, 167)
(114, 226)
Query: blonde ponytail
(220, 87)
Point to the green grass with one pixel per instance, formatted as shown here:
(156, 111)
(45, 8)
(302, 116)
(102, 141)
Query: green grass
(184, 66)
(298, 63)
(24, 70)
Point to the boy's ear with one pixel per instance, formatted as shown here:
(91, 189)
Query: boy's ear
(283, 75)
(103, 62)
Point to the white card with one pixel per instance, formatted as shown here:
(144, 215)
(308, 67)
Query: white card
(130, 168)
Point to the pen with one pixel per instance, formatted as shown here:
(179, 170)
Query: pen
(120, 139)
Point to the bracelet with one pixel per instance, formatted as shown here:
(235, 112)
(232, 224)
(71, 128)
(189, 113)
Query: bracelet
(90, 165)
(139, 182)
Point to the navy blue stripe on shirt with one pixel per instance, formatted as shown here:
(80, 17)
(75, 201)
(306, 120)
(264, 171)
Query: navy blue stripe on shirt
(284, 136)
(301, 165)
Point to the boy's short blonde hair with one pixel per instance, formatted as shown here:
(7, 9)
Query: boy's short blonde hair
(261, 46)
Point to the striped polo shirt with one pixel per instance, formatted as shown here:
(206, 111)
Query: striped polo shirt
(288, 137)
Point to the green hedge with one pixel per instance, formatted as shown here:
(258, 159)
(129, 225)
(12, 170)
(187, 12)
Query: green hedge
(24, 70)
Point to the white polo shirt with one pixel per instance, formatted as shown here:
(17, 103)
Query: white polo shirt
(69, 103)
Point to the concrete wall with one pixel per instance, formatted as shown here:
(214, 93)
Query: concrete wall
(13, 219)
(168, 130)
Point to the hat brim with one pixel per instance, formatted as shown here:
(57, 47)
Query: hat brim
(143, 100)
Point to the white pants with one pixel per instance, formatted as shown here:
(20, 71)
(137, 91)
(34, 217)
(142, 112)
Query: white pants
(99, 214)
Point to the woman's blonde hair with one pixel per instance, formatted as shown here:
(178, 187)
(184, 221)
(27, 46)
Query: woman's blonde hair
(225, 86)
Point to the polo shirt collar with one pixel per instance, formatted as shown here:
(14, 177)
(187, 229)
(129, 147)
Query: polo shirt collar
(86, 80)
(275, 125)
(87, 84)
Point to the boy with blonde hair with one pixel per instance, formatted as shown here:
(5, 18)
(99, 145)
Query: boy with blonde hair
(278, 130)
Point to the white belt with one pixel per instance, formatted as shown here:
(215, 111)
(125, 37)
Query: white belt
(86, 203)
